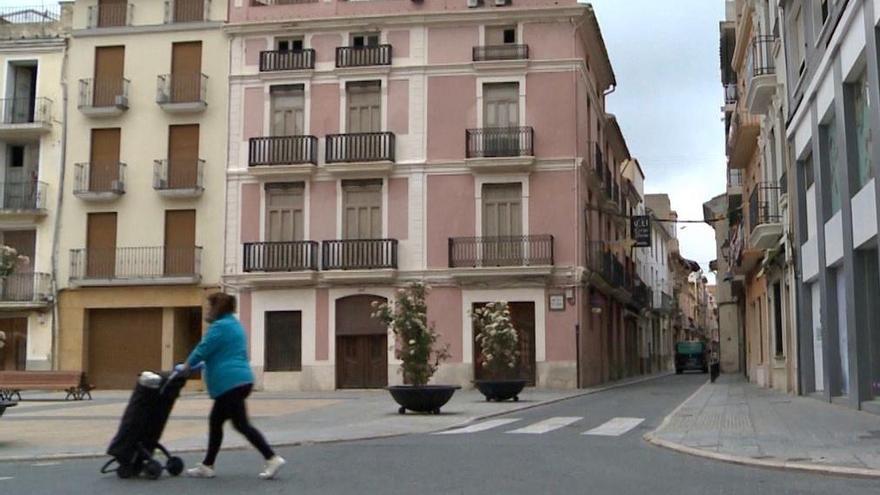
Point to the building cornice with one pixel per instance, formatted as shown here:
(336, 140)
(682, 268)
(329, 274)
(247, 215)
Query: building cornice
(147, 29)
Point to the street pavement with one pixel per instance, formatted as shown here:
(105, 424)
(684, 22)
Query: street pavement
(589, 444)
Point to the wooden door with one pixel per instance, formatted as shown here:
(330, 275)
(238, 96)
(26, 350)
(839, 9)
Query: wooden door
(284, 212)
(112, 13)
(364, 107)
(109, 73)
(502, 225)
(101, 245)
(183, 156)
(186, 71)
(180, 242)
(500, 116)
(362, 361)
(189, 10)
(288, 111)
(362, 209)
(104, 166)
(24, 93)
(121, 344)
(13, 356)
(522, 315)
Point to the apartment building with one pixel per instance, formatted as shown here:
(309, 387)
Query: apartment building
(144, 196)
(832, 92)
(32, 47)
(464, 144)
(762, 265)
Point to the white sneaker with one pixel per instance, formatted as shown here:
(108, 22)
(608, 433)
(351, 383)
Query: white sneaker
(200, 471)
(272, 466)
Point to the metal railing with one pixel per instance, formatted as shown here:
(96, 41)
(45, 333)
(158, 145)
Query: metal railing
(26, 287)
(103, 92)
(764, 205)
(643, 296)
(26, 110)
(282, 150)
(731, 94)
(760, 58)
(494, 142)
(101, 177)
(599, 259)
(360, 147)
(135, 263)
(186, 10)
(359, 254)
(267, 3)
(598, 162)
(734, 177)
(25, 195)
(363, 56)
(529, 250)
(110, 15)
(182, 88)
(500, 52)
(276, 60)
(30, 15)
(783, 183)
(666, 301)
(293, 256)
(171, 175)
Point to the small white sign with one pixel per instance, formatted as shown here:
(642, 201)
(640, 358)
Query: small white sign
(557, 302)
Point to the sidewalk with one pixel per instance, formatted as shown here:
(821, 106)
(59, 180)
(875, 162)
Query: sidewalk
(41, 429)
(735, 421)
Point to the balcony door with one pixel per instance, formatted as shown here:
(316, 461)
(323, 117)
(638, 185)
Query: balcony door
(101, 245)
(104, 166)
(500, 114)
(502, 224)
(364, 107)
(109, 72)
(24, 92)
(288, 110)
(186, 71)
(19, 187)
(522, 316)
(284, 212)
(180, 242)
(112, 13)
(362, 209)
(189, 10)
(183, 156)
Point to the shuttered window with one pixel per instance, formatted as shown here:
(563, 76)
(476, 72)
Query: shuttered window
(283, 343)
(362, 209)
(284, 212)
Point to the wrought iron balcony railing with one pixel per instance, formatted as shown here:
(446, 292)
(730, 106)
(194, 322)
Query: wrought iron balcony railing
(360, 147)
(136, 264)
(363, 56)
(495, 142)
(23, 196)
(291, 256)
(26, 287)
(282, 150)
(500, 52)
(103, 92)
(170, 175)
(764, 205)
(99, 178)
(359, 254)
(26, 111)
(277, 60)
(182, 88)
(186, 11)
(510, 251)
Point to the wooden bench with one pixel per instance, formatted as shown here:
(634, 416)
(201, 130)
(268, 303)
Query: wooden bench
(72, 382)
(4, 405)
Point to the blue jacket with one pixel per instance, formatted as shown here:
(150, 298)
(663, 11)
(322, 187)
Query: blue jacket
(223, 349)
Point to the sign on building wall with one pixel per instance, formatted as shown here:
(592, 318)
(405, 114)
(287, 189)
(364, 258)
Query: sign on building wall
(641, 230)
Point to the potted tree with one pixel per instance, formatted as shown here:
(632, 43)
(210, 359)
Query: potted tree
(417, 348)
(498, 342)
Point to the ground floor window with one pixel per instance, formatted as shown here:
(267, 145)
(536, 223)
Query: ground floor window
(283, 341)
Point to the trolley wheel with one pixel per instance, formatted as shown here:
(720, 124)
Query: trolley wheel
(174, 466)
(402, 410)
(152, 469)
(124, 471)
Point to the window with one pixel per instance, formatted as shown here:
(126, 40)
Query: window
(16, 156)
(362, 209)
(502, 210)
(823, 10)
(500, 35)
(284, 212)
(289, 44)
(798, 54)
(832, 165)
(365, 39)
(860, 109)
(501, 104)
(777, 320)
(283, 347)
(364, 101)
(288, 110)
(809, 176)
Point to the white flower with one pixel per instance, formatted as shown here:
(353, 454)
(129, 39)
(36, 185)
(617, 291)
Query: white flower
(412, 341)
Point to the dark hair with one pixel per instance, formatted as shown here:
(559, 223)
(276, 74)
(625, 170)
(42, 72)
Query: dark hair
(220, 304)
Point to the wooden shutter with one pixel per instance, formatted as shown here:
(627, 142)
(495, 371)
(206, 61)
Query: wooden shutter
(501, 105)
(186, 71)
(502, 209)
(104, 166)
(283, 341)
(364, 107)
(180, 242)
(101, 245)
(189, 10)
(112, 13)
(288, 111)
(109, 72)
(284, 212)
(362, 209)
(183, 156)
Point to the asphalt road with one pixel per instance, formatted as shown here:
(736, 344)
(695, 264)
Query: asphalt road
(590, 445)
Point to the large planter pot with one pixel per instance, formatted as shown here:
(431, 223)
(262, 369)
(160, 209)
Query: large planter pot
(423, 398)
(499, 390)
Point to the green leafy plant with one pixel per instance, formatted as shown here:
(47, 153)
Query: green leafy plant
(497, 338)
(2, 339)
(9, 259)
(416, 341)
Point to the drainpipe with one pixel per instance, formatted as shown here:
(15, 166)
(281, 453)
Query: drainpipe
(56, 361)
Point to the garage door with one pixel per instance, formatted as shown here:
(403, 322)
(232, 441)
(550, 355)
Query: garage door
(122, 343)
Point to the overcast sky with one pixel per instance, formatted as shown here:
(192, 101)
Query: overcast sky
(668, 100)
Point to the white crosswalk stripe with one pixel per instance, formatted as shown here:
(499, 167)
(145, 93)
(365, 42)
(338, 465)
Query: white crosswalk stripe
(547, 425)
(615, 427)
(474, 428)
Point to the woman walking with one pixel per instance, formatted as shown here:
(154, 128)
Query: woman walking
(228, 375)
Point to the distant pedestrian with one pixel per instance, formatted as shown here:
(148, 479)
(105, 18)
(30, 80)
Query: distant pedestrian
(714, 363)
(228, 375)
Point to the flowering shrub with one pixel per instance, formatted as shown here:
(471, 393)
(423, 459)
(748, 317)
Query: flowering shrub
(497, 338)
(9, 259)
(416, 340)
(2, 339)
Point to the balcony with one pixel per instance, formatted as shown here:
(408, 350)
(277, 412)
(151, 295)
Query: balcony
(743, 139)
(103, 97)
(363, 56)
(182, 93)
(508, 255)
(179, 178)
(359, 259)
(25, 118)
(108, 15)
(765, 221)
(283, 155)
(135, 265)
(642, 295)
(760, 74)
(360, 153)
(25, 290)
(23, 200)
(99, 181)
(492, 54)
(281, 60)
(667, 303)
(731, 96)
(294, 256)
(597, 171)
(734, 181)
(500, 149)
(179, 11)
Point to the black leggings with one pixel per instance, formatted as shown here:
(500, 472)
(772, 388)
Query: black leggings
(230, 405)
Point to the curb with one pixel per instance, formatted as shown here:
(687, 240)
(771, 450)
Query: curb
(299, 443)
(654, 439)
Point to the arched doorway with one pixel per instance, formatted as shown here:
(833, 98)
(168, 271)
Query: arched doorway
(361, 344)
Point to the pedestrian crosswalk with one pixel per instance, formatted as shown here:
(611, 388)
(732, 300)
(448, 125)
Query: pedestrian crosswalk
(613, 427)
